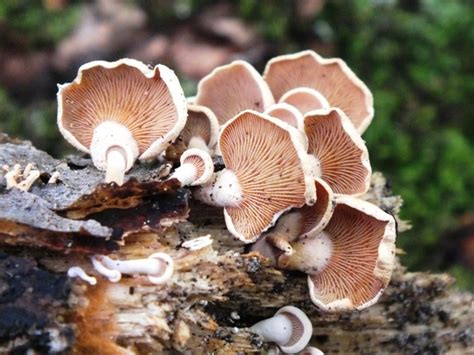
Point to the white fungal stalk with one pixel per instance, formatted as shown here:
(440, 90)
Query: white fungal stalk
(186, 174)
(158, 267)
(77, 271)
(223, 190)
(112, 275)
(114, 150)
(276, 329)
(21, 180)
(199, 143)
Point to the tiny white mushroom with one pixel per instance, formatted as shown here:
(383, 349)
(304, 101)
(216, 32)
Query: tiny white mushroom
(196, 167)
(198, 243)
(77, 271)
(158, 267)
(54, 177)
(290, 328)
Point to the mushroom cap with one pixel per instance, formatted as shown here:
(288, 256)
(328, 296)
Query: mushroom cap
(302, 330)
(287, 113)
(201, 122)
(150, 103)
(305, 99)
(272, 168)
(233, 88)
(203, 163)
(331, 77)
(362, 257)
(342, 154)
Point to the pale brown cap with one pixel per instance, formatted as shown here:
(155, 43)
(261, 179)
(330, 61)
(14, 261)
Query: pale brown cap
(271, 167)
(286, 113)
(305, 99)
(362, 254)
(148, 103)
(340, 151)
(201, 129)
(233, 88)
(331, 77)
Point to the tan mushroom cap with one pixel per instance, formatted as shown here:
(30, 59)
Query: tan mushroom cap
(149, 103)
(233, 88)
(331, 77)
(342, 155)
(201, 129)
(272, 168)
(286, 113)
(305, 99)
(362, 239)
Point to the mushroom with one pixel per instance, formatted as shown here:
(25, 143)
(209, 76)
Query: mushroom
(118, 111)
(267, 173)
(297, 223)
(331, 77)
(233, 88)
(196, 168)
(350, 262)
(21, 180)
(289, 328)
(287, 113)
(311, 350)
(340, 156)
(201, 128)
(76, 271)
(305, 99)
(158, 267)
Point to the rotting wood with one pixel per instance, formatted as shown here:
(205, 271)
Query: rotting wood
(215, 293)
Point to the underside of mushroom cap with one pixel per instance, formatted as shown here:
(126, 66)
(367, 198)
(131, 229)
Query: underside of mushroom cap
(149, 102)
(202, 163)
(331, 77)
(305, 99)
(362, 257)
(272, 168)
(233, 88)
(341, 152)
(201, 122)
(302, 329)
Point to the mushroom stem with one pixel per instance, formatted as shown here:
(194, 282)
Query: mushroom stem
(276, 329)
(186, 174)
(158, 266)
(223, 190)
(199, 143)
(116, 165)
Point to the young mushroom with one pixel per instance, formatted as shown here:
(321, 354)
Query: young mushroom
(330, 77)
(297, 223)
(340, 156)
(287, 113)
(305, 99)
(201, 128)
(196, 168)
(120, 111)
(233, 88)
(267, 173)
(289, 328)
(158, 267)
(350, 262)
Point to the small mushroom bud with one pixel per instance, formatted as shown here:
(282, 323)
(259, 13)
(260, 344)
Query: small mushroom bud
(289, 328)
(158, 266)
(196, 167)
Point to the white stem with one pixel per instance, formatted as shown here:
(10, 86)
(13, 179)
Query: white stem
(223, 190)
(315, 166)
(186, 174)
(277, 329)
(116, 165)
(76, 271)
(112, 275)
(159, 266)
(199, 143)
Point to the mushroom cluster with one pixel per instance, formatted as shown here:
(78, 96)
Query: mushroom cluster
(290, 140)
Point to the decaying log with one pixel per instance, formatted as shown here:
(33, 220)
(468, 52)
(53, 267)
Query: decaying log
(216, 291)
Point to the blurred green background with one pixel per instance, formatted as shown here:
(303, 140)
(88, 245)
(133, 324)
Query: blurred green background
(415, 55)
